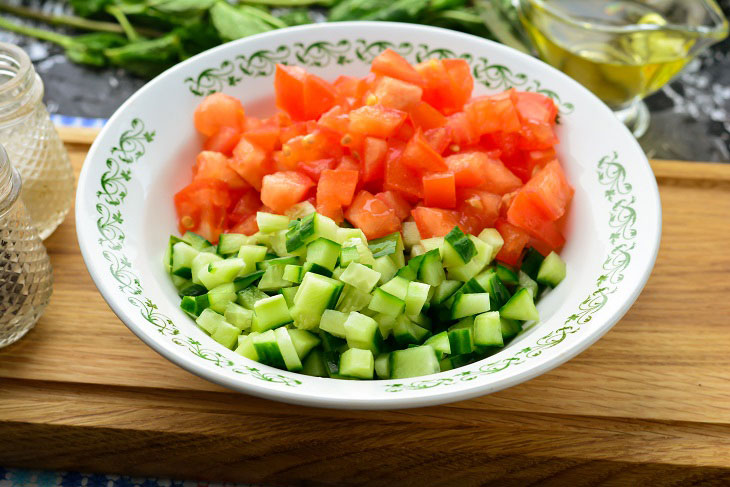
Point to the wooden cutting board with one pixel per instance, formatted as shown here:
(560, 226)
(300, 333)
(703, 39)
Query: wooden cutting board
(649, 403)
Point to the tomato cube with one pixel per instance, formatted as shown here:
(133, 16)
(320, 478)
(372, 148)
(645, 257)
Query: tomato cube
(497, 178)
(337, 187)
(438, 138)
(251, 162)
(552, 190)
(394, 93)
(372, 216)
(468, 168)
(434, 222)
(201, 207)
(281, 190)
(376, 120)
(399, 204)
(374, 151)
(525, 212)
(289, 88)
(419, 155)
(319, 96)
(265, 136)
(216, 111)
(223, 141)
(390, 63)
(214, 165)
(515, 240)
(488, 114)
(439, 190)
(401, 178)
(478, 209)
(426, 117)
(314, 169)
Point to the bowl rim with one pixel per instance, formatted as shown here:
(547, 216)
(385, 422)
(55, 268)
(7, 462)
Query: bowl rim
(301, 396)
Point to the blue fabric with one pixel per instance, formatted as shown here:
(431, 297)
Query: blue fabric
(15, 477)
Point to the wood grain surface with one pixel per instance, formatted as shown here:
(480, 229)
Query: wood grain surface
(648, 404)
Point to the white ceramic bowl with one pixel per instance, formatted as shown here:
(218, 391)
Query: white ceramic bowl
(144, 155)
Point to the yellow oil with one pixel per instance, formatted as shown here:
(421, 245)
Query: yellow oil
(619, 67)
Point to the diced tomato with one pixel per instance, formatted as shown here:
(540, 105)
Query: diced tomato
(372, 216)
(289, 87)
(525, 212)
(534, 107)
(376, 120)
(390, 63)
(487, 114)
(461, 130)
(290, 131)
(497, 178)
(319, 96)
(536, 136)
(537, 159)
(314, 169)
(438, 138)
(511, 155)
(426, 117)
(253, 123)
(353, 141)
(462, 82)
(374, 152)
(265, 136)
(350, 87)
(347, 163)
(434, 222)
(249, 226)
(335, 120)
(552, 190)
(401, 207)
(283, 189)
(405, 132)
(248, 204)
(251, 162)
(214, 165)
(419, 155)
(201, 208)
(223, 141)
(399, 177)
(478, 209)
(334, 212)
(468, 168)
(337, 187)
(394, 93)
(307, 148)
(515, 240)
(216, 111)
(439, 190)
(447, 85)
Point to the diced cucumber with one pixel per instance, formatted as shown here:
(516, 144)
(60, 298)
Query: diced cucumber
(293, 273)
(220, 296)
(413, 362)
(238, 316)
(488, 330)
(273, 279)
(308, 229)
(316, 294)
(386, 267)
(407, 332)
(492, 237)
(352, 299)
(337, 272)
(245, 347)
(282, 261)
(520, 307)
(509, 327)
(433, 243)
(469, 305)
(461, 337)
(251, 255)
(226, 334)
(477, 263)
(270, 223)
(287, 350)
(382, 365)
(333, 322)
(314, 364)
(440, 343)
(397, 287)
(531, 262)
(248, 297)
(411, 236)
(209, 320)
(198, 243)
(416, 297)
(270, 313)
(300, 210)
(323, 252)
(410, 271)
(316, 268)
(220, 272)
(331, 360)
(230, 243)
(360, 277)
(303, 341)
(167, 258)
(344, 234)
(277, 242)
(524, 281)
(289, 293)
(458, 249)
(182, 259)
(490, 282)
(349, 255)
(455, 361)
(194, 305)
(187, 288)
(366, 257)
(357, 363)
(444, 291)
(268, 349)
(431, 271)
(200, 263)
(506, 274)
(245, 281)
(383, 302)
(552, 270)
(362, 332)
(385, 245)
(417, 250)
(385, 324)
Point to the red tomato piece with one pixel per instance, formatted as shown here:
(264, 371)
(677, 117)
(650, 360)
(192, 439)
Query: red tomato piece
(462, 82)
(497, 178)
(314, 169)
(537, 159)
(376, 120)
(333, 212)
(335, 120)
(525, 212)
(405, 132)
(214, 165)
(223, 141)
(394, 93)
(248, 204)
(348, 163)
(434, 222)
(290, 131)
(249, 226)
(487, 114)
(552, 190)
(439, 190)
(216, 111)
(289, 88)
(374, 151)
(350, 87)
(319, 96)
(534, 107)
(468, 168)
(251, 162)
(265, 136)
(438, 138)
(400, 178)
(447, 84)
(478, 209)
(419, 155)
(372, 216)
(536, 136)
(390, 63)
(461, 130)
(515, 240)
(283, 189)
(426, 117)
(201, 208)
(306, 148)
(337, 187)
(401, 207)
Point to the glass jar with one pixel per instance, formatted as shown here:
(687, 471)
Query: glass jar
(32, 143)
(26, 279)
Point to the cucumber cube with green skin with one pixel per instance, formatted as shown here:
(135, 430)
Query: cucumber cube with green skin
(316, 268)
(200, 263)
(383, 302)
(314, 364)
(385, 324)
(398, 287)
(289, 293)
(552, 270)
(230, 243)
(251, 254)
(494, 239)
(461, 340)
(357, 363)
(411, 236)
(366, 257)
(333, 322)
(352, 299)
(475, 265)
(458, 248)
(198, 242)
(293, 273)
(509, 328)
(271, 313)
(194, 305)
(344, 234)
(469, 305)
(498, 293)
(220, 272)
(416, 297)
(431, 270)
(382, 365)
(268, 350)
(524, 281)
(270, 223)
(247, 297)
(440, 343)
(520, 307)
(384, 246)
(242, 282)
(187, 288)
(303, 341)
(360, 277)
(531, 262)
(444, 291)
(315, 294)
(226, 334)
(349, 255)
(433, 243)
(238, 316)
(182, 259)
(323, 252)
(209, 320)
(245, 347)
(167, 257)
(288, 352)
(413, 362)
(506, 274)
(362, 332)
(488, 330)
(386, 268)
(407, 332)
(220, 296)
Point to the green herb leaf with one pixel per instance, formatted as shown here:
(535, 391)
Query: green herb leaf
(181, 7)
(147, 58)
(232, 23)
(88, 8)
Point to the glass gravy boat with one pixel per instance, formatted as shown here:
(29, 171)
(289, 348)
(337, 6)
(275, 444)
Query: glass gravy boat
(622, 50)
